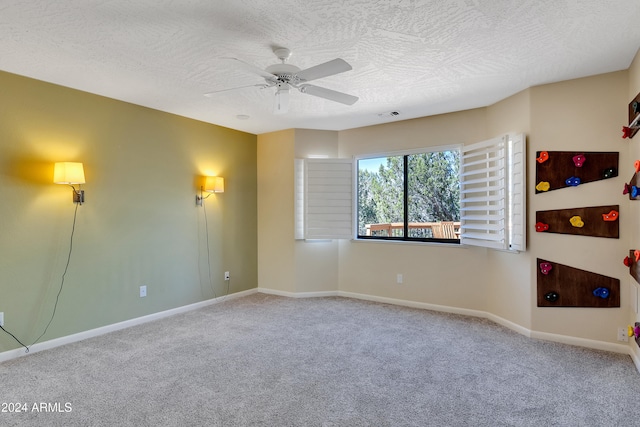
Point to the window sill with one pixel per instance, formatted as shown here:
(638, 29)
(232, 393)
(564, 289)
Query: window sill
(410, 242)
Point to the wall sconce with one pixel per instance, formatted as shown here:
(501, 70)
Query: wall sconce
(70, 173)
(212, 184)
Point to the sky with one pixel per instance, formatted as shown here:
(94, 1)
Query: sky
(372, 165)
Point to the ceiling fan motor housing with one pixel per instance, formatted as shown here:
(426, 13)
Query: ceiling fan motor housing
(284, 72)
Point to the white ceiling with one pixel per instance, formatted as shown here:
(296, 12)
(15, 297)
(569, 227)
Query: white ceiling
(417, 57)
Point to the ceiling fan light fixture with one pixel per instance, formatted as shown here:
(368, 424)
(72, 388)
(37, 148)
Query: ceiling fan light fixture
(284, 76)
(281, 104)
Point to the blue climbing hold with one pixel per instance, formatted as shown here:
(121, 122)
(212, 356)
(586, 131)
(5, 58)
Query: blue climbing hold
(574, 181)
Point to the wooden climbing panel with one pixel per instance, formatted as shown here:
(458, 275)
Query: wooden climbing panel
(562, 169)
(596, 221)
(563, 286)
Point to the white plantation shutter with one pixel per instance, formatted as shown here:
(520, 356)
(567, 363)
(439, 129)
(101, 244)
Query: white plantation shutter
(492, 193)
(299, 198)
(324, 206)
(517, 226)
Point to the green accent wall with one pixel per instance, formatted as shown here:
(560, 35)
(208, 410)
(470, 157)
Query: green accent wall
(139, 224)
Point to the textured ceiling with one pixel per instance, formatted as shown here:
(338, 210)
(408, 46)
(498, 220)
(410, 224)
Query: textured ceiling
(417, 57)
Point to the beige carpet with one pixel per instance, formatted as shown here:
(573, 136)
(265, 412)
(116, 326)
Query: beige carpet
(263, 360)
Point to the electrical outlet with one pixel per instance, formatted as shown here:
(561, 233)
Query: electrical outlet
(399, 278)
(227, 276)
(1, 318)
(623, 335)
(143, 291)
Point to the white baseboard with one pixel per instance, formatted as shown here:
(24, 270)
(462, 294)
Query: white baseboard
(632, 351)
(508, 324)
(46, 345)
(298, 294)
(564, 339)
(583, 342)
(413, 304)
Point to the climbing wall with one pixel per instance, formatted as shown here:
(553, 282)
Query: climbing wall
(597, 221)
(563, 286)
(562, 169)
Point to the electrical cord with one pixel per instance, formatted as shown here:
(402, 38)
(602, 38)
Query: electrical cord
(14, 337)
(64, 273)
(206, 230)
(55, 306)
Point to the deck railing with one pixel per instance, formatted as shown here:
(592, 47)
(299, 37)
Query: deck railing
(429, 229)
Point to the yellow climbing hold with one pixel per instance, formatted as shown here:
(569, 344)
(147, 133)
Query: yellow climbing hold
(576, 221)
(543, 186)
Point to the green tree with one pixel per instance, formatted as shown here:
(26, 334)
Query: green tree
(433, 186)
(366, 201)
(433, 190)
(389, 193)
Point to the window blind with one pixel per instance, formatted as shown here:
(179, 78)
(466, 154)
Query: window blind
(324, 210)
(492, 189)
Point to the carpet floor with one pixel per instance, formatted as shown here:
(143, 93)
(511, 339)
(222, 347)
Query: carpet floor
(263, 360)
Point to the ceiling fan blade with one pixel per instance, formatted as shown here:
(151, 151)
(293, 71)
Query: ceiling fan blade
(329, 94)
(210, 94)
(326, 69)
(255, 70)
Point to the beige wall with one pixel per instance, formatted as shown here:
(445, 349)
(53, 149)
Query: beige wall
(276, 251)
(435, 274)
(634, 207)
(316, 262)
(511, 278)
(139, 225)
(582, 115)
(501, 283)
(286, 264)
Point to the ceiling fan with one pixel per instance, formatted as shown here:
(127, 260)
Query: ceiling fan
(284, 76)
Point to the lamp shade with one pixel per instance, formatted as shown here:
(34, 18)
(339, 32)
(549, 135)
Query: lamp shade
(214, 184)
(68, 173)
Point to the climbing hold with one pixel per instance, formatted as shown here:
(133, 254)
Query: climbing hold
(626, 132)
(634, 191)
(630, 331)
(551, 296)
(627, 261)
(545, 267)
(636, 165)
(633, 331)
(627, 189)
(579, 160)
(636, 254)
(576, 221)
(574, 181)
(543, 186)
(541, 226)
(610, 173)
(544, 156)
(611, 216)
(601, 292)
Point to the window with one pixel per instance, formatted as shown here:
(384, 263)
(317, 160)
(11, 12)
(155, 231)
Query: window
(472, 194)
(410, 196)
